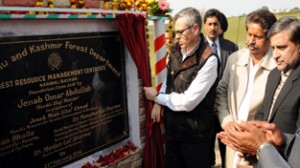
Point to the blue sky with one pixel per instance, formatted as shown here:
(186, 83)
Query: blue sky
(233, 7)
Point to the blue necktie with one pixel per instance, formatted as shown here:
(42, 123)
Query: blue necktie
(215, 48)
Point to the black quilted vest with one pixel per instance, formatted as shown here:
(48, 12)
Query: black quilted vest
(196, 125)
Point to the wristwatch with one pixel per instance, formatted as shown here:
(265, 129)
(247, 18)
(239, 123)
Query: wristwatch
(261, 147)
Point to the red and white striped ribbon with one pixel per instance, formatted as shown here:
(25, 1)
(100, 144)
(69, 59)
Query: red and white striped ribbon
(160, 53)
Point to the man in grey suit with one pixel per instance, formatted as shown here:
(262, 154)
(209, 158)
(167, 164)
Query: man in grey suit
(272, 147)
(223, 48)
(281, 104)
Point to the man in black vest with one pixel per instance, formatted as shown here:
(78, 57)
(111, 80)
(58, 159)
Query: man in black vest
(188, 94)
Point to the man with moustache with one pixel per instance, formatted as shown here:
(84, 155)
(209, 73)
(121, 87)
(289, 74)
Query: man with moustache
(223, 48)
(241, 90)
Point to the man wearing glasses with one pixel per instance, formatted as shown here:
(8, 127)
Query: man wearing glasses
(187, 96)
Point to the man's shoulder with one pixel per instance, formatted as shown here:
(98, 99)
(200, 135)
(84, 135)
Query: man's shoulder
(223, 40)
(207, 52)
(274, 72)
(238, 57)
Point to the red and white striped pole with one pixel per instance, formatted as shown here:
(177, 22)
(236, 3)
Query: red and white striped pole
(160, 62)
(160, 52)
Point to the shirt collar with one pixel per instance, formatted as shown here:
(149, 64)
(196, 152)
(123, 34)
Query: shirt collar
(260, 61)
(210, 42)
(267, 61)
(286, 74)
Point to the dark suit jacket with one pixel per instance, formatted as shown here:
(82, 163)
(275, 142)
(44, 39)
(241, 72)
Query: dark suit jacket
(227, 47)
(270, 157)
(286, 110)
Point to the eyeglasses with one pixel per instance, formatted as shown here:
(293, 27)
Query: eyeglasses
(180, 32)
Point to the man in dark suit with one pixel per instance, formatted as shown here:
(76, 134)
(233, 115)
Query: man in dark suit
(271, 147)
(223, 48)
(282, 97)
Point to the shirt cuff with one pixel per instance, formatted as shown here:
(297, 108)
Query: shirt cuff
(162, 99)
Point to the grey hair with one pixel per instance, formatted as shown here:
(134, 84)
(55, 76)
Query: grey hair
(290, 24)
(191, 15)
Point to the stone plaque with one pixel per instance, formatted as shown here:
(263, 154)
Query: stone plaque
(62, 97)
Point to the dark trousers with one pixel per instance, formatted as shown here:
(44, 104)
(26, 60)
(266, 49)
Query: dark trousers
(187, 154)
(222, 147)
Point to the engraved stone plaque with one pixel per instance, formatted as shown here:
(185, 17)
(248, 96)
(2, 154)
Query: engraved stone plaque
(62, 97)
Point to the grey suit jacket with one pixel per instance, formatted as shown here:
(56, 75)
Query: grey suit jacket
(286, 110)
(269, 157)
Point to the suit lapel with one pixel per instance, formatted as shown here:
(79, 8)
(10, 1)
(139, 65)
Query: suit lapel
(286, 89)
(270, 91)
(223, 52)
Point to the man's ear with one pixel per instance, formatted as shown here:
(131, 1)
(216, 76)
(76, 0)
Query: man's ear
(196, 28)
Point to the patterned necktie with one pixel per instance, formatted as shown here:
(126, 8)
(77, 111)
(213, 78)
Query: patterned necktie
(215, 48)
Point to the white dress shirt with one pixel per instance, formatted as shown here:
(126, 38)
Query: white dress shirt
(217, 42)
(283, 78)
(244, 108)
(196, 92)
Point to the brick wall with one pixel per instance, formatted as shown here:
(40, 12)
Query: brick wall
(136, 160)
